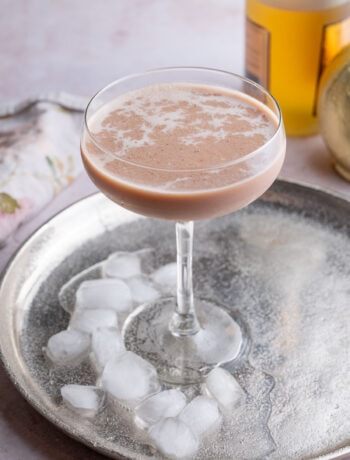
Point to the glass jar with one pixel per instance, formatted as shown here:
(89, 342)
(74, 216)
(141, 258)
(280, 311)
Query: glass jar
(334, 111)
(288, 45)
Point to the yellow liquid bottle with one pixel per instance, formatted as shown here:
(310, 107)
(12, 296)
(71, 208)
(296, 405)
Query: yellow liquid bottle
(288, 45)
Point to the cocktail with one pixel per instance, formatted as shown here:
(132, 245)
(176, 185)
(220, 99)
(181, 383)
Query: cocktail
(183, 144)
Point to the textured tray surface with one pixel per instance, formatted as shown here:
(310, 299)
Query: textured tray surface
(282, 265)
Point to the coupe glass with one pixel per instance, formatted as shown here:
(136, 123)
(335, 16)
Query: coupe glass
(187, 336)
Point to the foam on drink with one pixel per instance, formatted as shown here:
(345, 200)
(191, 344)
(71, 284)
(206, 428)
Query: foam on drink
(181, 151)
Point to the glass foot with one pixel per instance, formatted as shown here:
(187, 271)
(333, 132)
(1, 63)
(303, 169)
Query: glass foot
(183, 359)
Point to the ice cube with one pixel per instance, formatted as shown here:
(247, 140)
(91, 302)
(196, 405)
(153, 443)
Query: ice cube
(130, 378)
(89, 320)
(142, 290)
(106, 343)
(87, 400)
(68, 347)
(202, 415)
(174, 438)
(67, 293)
(112, 294)
(166, 276)
(122, 265)
(222, 386)
(168, 403)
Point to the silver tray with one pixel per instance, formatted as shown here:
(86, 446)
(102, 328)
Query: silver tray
(282, 265)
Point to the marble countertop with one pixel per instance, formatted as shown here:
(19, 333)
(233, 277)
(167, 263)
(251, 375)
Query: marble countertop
(78, 47)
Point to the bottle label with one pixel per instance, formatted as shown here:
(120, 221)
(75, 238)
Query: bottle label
(257, 53)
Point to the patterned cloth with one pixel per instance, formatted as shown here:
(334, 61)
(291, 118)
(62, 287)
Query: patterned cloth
(39, 155)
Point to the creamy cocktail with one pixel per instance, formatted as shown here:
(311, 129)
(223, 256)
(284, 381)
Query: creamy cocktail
(182, 152)
(183, 144)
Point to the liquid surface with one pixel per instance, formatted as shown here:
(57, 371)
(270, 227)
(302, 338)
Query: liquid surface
(176, 139)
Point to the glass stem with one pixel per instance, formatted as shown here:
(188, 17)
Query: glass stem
(184, 320)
